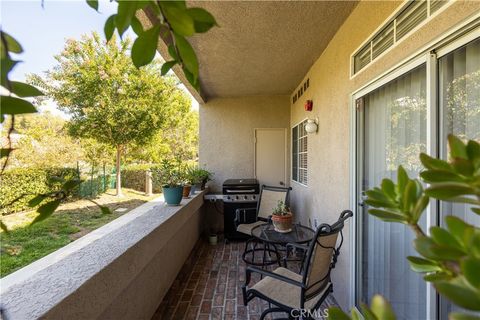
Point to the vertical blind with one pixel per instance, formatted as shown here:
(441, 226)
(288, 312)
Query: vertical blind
(460, 104)
(394, 134)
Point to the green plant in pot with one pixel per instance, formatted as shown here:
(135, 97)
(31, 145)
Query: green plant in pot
(187, 181)
(199, 177)
(171, 179)
(282, 218)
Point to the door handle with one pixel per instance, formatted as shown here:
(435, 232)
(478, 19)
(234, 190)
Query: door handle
(281, 183)
(363, 197)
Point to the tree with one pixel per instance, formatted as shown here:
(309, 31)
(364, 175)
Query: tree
(173, 18)
(178, 139)
(107, 97)
(41, 140)
(96, 153)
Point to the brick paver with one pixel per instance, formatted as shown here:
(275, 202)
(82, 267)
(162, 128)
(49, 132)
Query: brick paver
(209, 287)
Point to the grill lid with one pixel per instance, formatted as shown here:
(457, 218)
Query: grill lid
(239, 182)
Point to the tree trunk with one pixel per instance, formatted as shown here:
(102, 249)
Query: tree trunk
(119, 178)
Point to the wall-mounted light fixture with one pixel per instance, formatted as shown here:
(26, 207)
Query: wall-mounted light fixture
(311, 126)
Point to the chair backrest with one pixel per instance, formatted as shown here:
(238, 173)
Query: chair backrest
(322, 255)
(269, 197)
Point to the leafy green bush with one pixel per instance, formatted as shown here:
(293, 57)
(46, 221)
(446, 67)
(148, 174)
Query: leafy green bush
(170, 172)
(29, 182)
(134, 179)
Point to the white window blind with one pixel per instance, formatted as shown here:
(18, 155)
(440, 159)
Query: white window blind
(414, 13)
(300, 153)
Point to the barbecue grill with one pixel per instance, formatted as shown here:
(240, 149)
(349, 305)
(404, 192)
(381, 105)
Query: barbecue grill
(238, 194)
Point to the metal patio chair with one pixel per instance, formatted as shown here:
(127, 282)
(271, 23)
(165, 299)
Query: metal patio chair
(248, 218)
(287, 290)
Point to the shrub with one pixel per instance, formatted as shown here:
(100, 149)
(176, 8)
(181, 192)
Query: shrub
(29, 182)
(134, 178)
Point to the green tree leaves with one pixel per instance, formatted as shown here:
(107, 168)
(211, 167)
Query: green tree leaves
(403, 202)
(174, 19)
(457, 180)
(379, 309)
(202, 19)
(175, 12)
(24, 90)
(109, 27)
(12, 105)
(93, 4)
(145, 47)
(123, 19)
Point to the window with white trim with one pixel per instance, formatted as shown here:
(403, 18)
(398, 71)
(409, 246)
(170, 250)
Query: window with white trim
(299, 153)
(408, 18)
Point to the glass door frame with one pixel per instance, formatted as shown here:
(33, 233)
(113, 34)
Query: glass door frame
(460, 36)
(430, 62)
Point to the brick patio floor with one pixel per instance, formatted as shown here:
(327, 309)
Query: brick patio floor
(209, 287)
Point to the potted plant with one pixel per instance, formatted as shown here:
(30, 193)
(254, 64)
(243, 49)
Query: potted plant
(213, 237)
(171, 178)
(199, 177)
(282, 218)
(187, 179)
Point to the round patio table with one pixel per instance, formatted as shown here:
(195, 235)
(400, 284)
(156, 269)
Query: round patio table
(299, 234)
(266, 235)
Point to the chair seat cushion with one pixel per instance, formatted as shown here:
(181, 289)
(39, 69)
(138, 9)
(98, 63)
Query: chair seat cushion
(247, 228)
(283, 292)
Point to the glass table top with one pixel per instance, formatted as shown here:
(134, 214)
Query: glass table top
(267, 233)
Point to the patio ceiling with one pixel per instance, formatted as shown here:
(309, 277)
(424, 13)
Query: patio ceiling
(262, 47)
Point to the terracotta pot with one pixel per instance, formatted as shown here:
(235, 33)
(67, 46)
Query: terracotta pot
(186, 190)
(284, 223)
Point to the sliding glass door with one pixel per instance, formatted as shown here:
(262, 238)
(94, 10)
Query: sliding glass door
(459, 99)
(393, 132)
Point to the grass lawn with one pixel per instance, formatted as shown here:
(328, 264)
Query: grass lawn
(25, 244)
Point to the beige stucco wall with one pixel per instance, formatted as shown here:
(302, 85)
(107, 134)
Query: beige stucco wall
(121, 270)
(330, 86)
(227, 133)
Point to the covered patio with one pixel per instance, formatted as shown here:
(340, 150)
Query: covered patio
(275, 66)
(209, 286)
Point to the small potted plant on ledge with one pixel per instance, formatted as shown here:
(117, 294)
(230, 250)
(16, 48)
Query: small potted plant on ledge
(199, 177)
(282, 218)
(171, 178)
(187, 179)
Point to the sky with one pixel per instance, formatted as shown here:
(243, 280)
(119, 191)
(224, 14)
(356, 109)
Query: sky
(42, 31)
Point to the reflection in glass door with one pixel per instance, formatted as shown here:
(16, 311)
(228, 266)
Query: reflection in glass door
(459, 97)
(392, 128)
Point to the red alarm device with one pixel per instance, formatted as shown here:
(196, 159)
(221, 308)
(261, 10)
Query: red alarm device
(308, 105)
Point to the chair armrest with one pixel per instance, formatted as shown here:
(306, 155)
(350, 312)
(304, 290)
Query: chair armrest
(266, 273)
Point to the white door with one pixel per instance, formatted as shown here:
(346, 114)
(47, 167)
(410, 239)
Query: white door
(271, 156)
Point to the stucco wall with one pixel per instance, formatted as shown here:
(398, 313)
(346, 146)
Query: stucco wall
(119, 271)
(227, 130)
(330, 86)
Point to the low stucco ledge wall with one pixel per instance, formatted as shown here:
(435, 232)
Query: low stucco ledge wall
(119, 271)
